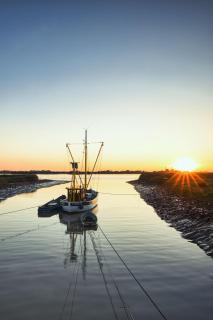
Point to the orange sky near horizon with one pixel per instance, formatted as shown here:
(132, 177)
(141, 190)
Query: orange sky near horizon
(107, 164)
(138, 148)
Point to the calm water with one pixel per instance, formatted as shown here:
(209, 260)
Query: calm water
(49, 272)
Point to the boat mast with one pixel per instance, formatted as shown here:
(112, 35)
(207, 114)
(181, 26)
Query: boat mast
(85, 164)
(76, 166)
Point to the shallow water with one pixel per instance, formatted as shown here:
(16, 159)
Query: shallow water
(49, 273)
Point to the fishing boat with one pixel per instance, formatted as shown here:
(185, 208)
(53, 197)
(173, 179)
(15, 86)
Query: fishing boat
(80, 197)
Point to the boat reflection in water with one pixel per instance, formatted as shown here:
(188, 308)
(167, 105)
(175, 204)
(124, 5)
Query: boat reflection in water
(77, 227)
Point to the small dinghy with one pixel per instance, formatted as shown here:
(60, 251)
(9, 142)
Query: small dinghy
(88, 219)
(50, 208)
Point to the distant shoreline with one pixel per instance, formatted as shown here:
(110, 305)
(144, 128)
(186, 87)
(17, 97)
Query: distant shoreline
(69, 172)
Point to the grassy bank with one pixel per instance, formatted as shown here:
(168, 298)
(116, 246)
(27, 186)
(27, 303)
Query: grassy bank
(11, 180)
(193, 186)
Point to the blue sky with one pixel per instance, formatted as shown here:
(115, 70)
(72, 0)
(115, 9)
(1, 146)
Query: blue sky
(138, 74)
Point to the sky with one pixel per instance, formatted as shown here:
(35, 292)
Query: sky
(138, 74)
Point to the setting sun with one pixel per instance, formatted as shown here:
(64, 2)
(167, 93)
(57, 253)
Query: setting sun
(184, 164)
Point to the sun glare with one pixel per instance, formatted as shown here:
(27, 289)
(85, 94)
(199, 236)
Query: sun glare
(185, 164)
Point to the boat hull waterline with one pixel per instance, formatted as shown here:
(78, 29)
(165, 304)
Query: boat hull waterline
(79, 206)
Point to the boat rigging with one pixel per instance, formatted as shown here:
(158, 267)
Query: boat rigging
(80, 197)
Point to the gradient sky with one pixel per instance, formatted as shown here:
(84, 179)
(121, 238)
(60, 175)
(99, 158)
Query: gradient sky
(137, 74)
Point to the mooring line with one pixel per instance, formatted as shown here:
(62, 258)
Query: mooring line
(129, 315)
(69, 288)
(104, 278)
(134, 277)
(119, 194)
(23, 209)
(76, 283)
(27, 231)
(125, 307)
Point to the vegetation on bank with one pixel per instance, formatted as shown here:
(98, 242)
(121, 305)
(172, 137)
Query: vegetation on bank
(11, 180)
(190, 185)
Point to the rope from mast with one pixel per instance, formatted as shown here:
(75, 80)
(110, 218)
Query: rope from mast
(102, 144)
(86, 181)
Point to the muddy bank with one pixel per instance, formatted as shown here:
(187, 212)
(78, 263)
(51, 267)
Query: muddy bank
(11, 191)
(193, 220)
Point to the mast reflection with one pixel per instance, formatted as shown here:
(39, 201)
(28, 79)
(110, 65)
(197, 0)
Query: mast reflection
(77, 227)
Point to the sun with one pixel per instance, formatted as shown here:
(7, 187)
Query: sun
(185, 164)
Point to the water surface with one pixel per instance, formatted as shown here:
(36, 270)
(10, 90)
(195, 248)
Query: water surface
(50, 271)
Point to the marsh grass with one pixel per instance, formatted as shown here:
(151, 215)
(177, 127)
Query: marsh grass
(10, 180)
(190, 185)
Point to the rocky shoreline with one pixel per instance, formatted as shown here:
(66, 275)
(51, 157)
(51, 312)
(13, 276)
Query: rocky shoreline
(25, 188)
(193, 220)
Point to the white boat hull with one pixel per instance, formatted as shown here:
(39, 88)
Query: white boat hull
(78, 209)
(80, 206)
